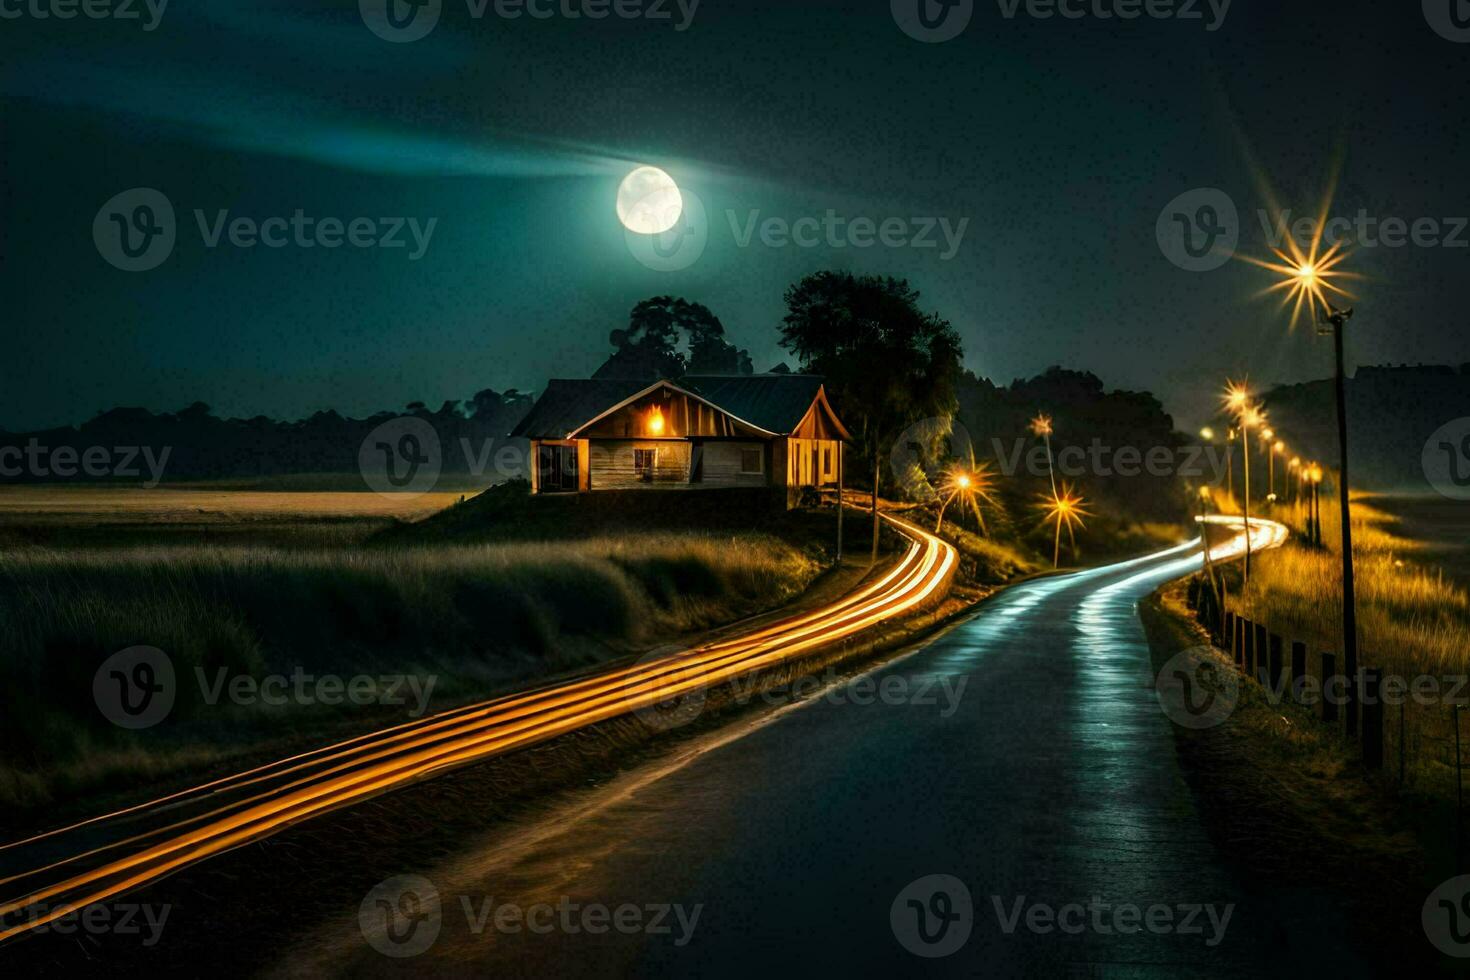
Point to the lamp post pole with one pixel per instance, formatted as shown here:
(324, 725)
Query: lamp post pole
(1245, 456)
(1335, 320)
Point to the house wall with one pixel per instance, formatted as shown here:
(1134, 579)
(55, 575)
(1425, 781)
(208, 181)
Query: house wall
(610, 464)
(811, 462)
(720, 466)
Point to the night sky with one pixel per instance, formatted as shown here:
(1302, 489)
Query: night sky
(1060, 141)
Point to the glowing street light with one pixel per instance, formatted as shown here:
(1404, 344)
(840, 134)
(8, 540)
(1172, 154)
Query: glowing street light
(1310, 281)
(969, 486)
(1248, 416)
(1065, 509)
(1041, 427)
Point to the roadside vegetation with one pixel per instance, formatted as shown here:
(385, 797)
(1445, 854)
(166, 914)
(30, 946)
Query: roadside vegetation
(1413, 619)
(476, 618)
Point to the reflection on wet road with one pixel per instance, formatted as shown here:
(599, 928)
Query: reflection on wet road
(1051, 791)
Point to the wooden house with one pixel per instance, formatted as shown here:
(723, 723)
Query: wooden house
(701, 432)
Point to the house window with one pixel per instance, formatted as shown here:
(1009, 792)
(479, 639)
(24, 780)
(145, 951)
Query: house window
(827, 462)
(644, 463)
(751, 461)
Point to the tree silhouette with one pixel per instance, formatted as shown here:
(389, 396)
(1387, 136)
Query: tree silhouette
(886, 363)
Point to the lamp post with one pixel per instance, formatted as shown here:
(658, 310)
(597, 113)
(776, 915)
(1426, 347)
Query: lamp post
(1237, 398)
(1230, 462)
(1333, 322)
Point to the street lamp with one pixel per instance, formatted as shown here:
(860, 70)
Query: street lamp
(1238, 400)
(1333, 322)
(1310, 281)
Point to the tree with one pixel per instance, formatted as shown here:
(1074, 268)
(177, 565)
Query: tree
(650, 346)
(886, 363)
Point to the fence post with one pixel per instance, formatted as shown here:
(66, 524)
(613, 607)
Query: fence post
(1298, 668)
(1262, 647)
(1372, 718)
(1275, 661)
(1329, 669)
(1248, 631)
(1230, 635)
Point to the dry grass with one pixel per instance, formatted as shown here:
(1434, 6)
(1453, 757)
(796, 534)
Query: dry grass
(1413, 620)
(477, 618)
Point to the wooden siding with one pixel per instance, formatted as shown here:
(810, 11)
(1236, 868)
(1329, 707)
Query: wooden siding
(720, 464)
(611, 463)
(811, 462)
(683, 417)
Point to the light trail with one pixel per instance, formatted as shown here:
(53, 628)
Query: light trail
(251, 805)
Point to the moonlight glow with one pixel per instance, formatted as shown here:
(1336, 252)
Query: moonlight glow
(649, 202)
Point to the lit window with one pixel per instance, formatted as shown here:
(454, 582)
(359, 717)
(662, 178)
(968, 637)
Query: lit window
(644, 463)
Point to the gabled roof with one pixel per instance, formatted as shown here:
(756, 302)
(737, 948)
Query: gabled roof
(775, 403)
(568, 404)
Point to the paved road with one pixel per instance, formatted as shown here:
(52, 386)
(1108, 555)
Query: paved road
(1051, 781)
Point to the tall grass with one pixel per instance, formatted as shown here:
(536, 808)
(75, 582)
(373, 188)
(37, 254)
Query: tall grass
(1413, 620)
(476, 617)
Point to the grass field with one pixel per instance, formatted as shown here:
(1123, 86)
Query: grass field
(1412, 572)
(251, 585)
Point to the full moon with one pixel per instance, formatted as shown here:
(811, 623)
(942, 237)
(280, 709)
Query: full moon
(649, 202)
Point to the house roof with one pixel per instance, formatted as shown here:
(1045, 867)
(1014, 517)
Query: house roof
(567, 404)
(776, 403)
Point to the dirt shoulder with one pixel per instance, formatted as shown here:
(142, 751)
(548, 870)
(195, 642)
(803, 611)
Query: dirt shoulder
(1287, 804)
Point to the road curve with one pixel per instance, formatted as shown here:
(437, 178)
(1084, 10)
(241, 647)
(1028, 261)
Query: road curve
(1050, 782)
(46, 875)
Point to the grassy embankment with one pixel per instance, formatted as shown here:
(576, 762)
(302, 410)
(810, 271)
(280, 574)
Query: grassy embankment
(1413, 617)
(477, 618)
